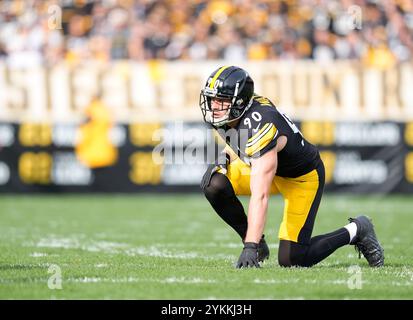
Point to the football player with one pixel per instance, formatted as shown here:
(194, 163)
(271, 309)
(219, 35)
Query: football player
(266, 154)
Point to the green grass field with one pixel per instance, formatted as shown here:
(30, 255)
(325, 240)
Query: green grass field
(176, 247)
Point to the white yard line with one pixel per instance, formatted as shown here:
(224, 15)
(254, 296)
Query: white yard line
(169, 280)
(101, 265)
(125, 248)
(38, 254)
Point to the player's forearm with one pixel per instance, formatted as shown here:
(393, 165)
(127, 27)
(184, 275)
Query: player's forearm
(262, 174)
(257, 214)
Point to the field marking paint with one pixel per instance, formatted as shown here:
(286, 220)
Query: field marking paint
(219, 244)
(155, 252)
(52, 242)
(401, 284)
(188, 281)
(169, 280)
(86, 280)
(231, 245)
(38, 254)
(125, 248)
(101, 265)
(198, 280)
(275, 281)
(306, 281)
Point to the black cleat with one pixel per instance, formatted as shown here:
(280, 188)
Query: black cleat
(366, 241)
(263, 250)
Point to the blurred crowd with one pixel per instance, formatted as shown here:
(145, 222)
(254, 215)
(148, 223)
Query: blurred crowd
(34, 32)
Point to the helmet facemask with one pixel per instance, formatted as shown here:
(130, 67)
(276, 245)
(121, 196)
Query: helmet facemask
(234, 111)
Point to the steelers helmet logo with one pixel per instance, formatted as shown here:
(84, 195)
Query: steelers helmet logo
(236, 112)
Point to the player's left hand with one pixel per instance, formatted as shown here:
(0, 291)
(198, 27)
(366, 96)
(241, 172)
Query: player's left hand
(249, 256)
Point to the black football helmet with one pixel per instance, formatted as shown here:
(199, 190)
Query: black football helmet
(230, 83)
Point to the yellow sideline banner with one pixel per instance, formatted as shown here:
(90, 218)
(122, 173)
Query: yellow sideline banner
(165, 91)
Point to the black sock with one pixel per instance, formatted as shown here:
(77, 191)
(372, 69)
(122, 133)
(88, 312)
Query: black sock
(320, 247)
(221, 196)
(324, 245)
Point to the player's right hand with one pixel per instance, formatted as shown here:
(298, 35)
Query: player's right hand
(206, 179)
(249, 256)
(220, 163)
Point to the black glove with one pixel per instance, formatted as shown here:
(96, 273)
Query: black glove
(221, 162)
(263, 250)
(249, 256)
(206, 179)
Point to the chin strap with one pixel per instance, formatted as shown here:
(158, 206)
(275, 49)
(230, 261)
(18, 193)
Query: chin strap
(218, 122)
